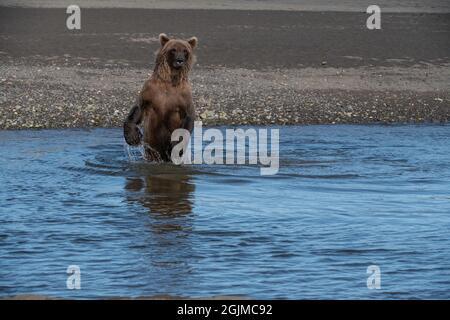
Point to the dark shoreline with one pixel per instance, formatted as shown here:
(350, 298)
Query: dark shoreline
(228, 38)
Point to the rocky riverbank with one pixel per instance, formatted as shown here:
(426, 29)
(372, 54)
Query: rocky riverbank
(64, 96)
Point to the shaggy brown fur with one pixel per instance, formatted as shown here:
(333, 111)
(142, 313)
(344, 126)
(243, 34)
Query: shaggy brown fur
(165, 101)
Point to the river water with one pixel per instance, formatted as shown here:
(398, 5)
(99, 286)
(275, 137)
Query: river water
(345, 198)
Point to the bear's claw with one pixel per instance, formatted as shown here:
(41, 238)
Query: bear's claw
(132, 134)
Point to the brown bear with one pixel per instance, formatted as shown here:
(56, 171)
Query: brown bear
(165, 101)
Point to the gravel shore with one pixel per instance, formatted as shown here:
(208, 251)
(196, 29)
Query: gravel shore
(63, 97)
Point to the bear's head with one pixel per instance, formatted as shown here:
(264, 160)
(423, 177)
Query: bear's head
(175, 55)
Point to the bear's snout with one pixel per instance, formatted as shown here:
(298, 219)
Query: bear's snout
(179, 62)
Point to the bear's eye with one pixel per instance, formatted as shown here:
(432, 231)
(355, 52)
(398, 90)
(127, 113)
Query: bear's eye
(173, 51)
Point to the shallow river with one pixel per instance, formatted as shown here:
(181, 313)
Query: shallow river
(345, 198)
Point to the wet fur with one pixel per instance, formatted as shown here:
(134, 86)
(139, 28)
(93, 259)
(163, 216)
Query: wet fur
(164, 103)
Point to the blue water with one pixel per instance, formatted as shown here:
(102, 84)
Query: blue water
(346, 197)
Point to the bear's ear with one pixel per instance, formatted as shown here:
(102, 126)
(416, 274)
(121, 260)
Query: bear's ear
(193, 42)
(163, 38)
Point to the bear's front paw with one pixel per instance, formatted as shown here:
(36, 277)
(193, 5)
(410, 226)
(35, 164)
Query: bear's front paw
(132, 134)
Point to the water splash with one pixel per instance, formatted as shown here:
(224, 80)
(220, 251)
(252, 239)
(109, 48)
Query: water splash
(142, 152)
(134, 153)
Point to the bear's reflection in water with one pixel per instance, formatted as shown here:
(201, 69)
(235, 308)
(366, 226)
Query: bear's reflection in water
(162, 197)
(167, 191)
